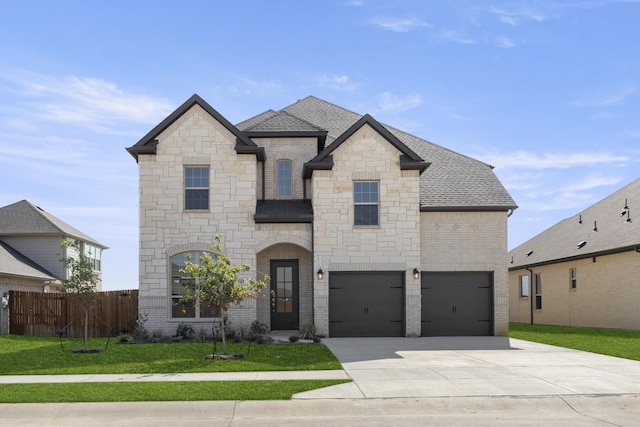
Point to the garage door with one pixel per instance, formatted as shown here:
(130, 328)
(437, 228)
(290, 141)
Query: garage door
(367, 304)
(457, 304)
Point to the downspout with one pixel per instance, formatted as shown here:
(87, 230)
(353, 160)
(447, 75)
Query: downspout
(263, 178)
(530, 290)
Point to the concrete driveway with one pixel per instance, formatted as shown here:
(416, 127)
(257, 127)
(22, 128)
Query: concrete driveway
(472, 366)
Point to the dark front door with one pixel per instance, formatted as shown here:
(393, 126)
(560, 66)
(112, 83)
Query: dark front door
(284, 295)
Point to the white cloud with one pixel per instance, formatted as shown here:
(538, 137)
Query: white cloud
(389, 102)
(398, 25)
(340, 82)
(457, 37)
(252, 87)
(514, 18)
(605, 99)
(504, 41)
(590, 182)
(529, 160)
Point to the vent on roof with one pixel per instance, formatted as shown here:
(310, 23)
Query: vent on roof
(39, 208)
(581, 244)
(529, 253)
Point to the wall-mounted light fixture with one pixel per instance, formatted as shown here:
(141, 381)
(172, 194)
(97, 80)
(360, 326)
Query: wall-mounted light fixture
(320, 274)
(416, 273)
(581, 244)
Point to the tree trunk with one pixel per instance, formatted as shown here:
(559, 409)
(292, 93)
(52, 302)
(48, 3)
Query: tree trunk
(86, 326)
(224, 332)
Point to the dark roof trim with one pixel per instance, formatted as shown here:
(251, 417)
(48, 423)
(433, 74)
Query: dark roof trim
(148, 143)
(408, 158)
(309, 167)
(258, 151)
(578, 257)
(264, 219)
(321, 135)
(466, 208)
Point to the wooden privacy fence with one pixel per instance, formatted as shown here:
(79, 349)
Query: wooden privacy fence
(48, 314)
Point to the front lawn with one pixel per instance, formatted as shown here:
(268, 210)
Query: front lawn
(611, 342)
(24, 355)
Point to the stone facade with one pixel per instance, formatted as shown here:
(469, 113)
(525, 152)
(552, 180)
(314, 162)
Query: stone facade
(240, 178)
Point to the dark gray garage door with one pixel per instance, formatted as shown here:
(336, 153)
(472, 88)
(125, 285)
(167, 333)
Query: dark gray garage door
(457, 304)
(367, 304)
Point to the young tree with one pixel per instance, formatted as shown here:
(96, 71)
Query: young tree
(214, 282)
(80, 282)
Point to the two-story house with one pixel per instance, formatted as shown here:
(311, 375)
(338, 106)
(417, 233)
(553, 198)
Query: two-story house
(30, 251)
(364, 230)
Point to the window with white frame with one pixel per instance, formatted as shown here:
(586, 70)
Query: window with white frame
(365, 203)
(524, 286)
(573, 278)
(284, 178)
(196, 187)
(182, 309)
(93, 254)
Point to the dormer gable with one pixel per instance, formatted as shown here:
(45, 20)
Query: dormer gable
(409, 160)
(148, 143)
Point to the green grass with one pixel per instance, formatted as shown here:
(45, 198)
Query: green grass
(23, 355)
(160, 391)
(611, 342)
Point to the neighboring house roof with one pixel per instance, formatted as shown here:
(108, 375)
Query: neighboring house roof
(616, 218)
(13, 263)
(26, 219)
(452, 182)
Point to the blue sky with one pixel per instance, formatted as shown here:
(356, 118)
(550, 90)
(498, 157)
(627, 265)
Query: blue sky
(546, 91)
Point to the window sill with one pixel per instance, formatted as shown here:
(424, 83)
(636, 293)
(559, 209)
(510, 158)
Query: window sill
(196, 211)
(365, 227)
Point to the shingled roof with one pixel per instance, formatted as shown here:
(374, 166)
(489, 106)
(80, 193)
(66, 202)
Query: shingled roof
(24, 218)
(13, 263)
(616, 219)
(451, 182)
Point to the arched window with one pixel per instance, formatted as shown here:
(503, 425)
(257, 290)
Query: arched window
(283, 169)
(180, 309)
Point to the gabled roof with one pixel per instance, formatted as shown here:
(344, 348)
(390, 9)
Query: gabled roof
(408, 159)
(13, 263)
(148, 143)
(283, 124)
(452, 182)
(26, 219)
(562, 242)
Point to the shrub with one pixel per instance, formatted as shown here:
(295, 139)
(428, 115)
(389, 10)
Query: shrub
(201, 335)
(124, 339)
(294, 338)
(140, 333)
(184, 331)
(257, 331)
(308, 332)
(156, 336)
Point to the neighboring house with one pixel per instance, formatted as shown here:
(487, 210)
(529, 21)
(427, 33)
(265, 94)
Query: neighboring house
(30, 252)
(365, 230)
(583, 271)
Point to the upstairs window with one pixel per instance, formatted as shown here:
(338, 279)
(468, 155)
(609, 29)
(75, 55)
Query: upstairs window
(93, 254)
(365, 201)
(538, 279)
(196, 188)
(284, 178)
(573, 278)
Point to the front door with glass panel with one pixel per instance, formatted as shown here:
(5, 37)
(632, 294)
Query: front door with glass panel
(284, 295)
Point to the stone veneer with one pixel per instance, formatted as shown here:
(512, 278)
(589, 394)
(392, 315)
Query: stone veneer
(405, 238)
